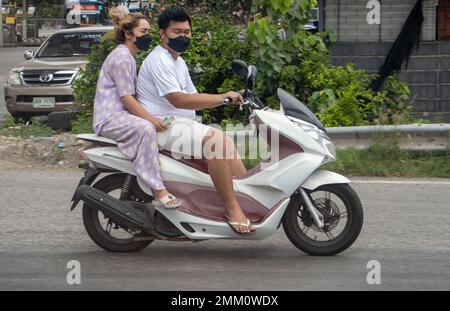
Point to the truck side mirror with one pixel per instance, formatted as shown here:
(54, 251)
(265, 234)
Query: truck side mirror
(28, 54)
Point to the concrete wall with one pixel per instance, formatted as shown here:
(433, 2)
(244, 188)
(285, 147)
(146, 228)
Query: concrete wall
(348, 20)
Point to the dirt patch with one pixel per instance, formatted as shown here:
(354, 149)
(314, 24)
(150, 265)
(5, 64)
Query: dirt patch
(12, 166)
(58, 151)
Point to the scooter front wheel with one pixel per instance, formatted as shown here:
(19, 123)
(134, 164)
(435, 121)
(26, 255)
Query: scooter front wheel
(343, 219)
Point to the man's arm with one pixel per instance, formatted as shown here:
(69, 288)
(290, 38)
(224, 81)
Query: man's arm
(201, 101)
(167, 84)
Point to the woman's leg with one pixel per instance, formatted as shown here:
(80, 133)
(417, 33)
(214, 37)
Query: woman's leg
(136, 139)
(146, 163)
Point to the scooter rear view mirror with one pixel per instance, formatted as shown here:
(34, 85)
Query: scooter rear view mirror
(251, 78)
(240, 68)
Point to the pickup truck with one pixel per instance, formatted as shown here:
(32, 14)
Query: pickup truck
(43, 83)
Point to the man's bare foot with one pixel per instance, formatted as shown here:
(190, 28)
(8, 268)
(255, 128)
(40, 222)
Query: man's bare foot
(239, 222)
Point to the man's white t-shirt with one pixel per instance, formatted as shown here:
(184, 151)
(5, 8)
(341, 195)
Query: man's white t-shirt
(161, 74)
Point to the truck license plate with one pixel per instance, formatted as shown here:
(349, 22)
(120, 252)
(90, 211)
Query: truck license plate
(43, 102)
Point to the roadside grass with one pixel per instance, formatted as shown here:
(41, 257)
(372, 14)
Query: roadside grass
(34, 127)
(20, 128)
(389, 160)
(82, 125)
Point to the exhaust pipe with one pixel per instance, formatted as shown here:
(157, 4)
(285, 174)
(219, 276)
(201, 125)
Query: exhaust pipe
(131, 214)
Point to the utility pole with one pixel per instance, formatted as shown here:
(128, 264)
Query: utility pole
(1, 23)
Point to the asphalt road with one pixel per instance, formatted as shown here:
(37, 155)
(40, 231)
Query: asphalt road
(406, 230)
(9, 58)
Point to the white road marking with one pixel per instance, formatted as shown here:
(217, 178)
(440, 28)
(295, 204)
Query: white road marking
(401, 182)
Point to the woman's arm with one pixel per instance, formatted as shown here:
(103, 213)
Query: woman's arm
(136, 108)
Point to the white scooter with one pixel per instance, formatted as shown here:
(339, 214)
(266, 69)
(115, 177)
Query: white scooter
(321, 214)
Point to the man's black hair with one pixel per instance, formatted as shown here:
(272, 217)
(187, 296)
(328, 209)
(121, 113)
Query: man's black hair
(177, 14)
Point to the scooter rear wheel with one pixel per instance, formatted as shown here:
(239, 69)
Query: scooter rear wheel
(94, 221)
(343, 213)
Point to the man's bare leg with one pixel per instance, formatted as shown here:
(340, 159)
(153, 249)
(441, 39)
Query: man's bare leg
(220, 169)
(237, 166)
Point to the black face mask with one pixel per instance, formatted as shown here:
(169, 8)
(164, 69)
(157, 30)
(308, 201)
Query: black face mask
(179, 44)
(143, 42)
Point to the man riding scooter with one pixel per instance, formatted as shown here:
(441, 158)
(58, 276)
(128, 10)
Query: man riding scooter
(165, 89)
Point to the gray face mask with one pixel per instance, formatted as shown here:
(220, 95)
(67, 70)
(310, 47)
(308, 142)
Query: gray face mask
(179, 44)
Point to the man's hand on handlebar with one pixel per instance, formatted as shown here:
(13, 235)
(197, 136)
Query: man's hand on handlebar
(235, 97)
(242, 92)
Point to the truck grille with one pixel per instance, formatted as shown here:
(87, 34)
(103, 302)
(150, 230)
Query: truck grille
(47, 77)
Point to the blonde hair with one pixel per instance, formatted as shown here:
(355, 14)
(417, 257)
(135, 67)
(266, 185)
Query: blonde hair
(124, 21)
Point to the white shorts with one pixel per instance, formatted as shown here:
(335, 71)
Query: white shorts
(183, 137)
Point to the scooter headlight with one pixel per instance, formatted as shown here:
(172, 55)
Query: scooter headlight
(317, 134)
(311, 131)
(331, 148)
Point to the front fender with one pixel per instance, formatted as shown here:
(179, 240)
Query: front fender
(322, 177)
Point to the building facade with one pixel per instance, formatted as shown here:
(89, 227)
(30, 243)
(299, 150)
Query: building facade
(366, 30)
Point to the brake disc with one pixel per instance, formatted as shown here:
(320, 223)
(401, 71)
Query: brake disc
(328, 209)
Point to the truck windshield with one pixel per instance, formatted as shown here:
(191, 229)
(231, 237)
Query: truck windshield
(69, 44)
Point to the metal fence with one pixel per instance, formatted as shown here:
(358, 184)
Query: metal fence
(411, 137)
(43, 28)
(38, 29)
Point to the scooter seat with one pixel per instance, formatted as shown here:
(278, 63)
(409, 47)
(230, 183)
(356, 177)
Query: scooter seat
(99, 140)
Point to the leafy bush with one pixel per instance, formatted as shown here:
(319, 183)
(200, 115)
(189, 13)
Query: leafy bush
(340, 96)
(392, 103)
